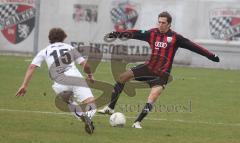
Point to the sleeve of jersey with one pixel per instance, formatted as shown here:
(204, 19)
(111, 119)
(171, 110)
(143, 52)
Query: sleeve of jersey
(77, 56)
(142, 35)
(187, 44)
(79, 60)
(38, 59)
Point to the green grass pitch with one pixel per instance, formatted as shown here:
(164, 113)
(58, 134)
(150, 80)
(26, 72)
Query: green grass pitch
(199, 106)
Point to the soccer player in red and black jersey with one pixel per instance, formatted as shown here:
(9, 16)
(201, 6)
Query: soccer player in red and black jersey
(164, 43)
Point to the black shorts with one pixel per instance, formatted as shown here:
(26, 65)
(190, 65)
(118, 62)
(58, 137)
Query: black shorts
(142, 73)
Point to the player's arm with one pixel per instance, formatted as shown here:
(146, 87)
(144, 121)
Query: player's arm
(37, 61)
(87, 70)
(130, 34)
(81, 61)
(78, 58)
(187, 44)
(22, 90)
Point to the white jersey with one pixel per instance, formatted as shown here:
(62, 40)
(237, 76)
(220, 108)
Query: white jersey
(60, 57)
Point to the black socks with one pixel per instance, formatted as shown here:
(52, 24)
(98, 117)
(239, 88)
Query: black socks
(115, 94)
(147, 108)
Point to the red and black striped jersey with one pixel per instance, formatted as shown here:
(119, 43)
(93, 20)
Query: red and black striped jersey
(164, 47)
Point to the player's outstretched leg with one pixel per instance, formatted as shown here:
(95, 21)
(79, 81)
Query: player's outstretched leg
(118, 88)
(114, 98)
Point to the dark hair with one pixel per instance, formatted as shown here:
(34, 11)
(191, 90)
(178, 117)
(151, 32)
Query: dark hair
(167, 15)
(56, 35)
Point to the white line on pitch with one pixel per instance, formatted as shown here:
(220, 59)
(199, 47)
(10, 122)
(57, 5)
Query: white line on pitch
(153, 119)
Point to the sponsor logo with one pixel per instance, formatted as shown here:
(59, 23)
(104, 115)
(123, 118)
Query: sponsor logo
(169, 39)
(124, 15)
(160, 45)
(16, 21)
(225, 24)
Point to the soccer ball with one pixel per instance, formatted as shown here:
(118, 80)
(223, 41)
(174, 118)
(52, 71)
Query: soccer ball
(117, 119)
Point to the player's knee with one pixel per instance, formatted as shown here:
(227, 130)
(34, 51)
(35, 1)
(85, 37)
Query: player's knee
(124, 77)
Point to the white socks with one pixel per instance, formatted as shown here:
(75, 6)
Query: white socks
(78, 112)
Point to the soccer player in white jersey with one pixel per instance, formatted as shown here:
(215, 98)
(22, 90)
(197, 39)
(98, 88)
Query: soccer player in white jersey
(68, 81)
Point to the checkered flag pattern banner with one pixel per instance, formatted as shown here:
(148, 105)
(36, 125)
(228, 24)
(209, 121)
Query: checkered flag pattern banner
(7, 11)
(218, 25)
(117, 14)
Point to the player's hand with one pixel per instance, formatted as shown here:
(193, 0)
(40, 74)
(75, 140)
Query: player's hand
(113, 34)
(90, 78)
(214, 58)
(110, 37)
(21, 91)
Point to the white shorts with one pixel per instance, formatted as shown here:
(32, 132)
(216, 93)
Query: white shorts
(79, 93)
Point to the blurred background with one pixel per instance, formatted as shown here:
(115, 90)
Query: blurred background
(214, 24)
